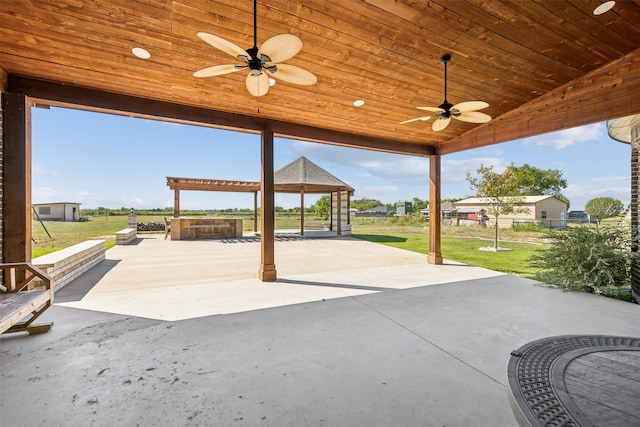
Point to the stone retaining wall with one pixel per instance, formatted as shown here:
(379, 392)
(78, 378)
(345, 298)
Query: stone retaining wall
(65, 265)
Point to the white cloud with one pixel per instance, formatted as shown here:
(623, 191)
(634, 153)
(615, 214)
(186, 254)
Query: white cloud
(567, 137)
(382, 193)
(456, 170)
(399, 176)
(579, 193)
(44, 195)
(376, 164)
(88, 199)
(38, 169)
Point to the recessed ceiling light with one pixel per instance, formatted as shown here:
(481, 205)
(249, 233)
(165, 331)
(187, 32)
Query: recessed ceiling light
(358, 103)
(141, 53)
(604, 7)
(271, 81)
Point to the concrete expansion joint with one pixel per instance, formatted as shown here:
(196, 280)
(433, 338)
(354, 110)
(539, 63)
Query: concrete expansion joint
(425, 339)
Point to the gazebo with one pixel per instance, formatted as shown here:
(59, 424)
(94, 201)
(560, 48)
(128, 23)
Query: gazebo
(301, 176)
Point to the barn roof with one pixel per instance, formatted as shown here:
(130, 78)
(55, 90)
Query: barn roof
(486, 201)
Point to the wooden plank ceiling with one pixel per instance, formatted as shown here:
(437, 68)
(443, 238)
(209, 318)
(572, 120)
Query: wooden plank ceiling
(542, 65)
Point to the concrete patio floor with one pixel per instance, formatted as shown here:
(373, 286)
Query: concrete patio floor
(181, 333)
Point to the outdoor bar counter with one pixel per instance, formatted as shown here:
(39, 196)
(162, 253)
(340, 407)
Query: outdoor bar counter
(191, 228)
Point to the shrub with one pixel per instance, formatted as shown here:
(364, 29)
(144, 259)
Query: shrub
(529, 227)
(411, 219)
(617, 292)
(582, 258)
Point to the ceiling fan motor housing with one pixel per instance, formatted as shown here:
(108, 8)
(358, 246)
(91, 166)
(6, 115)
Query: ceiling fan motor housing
(255, 65)
(446, 106)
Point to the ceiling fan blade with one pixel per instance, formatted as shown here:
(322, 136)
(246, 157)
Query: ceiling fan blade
(217, 70)
(280, 48)
(258, 85)
(432, 109)
(423, 118)
(470, 106)
(473, 117)
(295, 75)
(222, 44)
(440, 124)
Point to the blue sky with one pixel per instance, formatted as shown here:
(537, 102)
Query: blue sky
(115, 161)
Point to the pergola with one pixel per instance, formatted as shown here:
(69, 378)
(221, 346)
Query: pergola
(542, 66)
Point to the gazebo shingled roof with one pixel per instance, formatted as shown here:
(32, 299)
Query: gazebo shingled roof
(303, 174)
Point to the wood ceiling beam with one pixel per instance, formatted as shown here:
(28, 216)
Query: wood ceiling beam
(610, 92)
(69, 96)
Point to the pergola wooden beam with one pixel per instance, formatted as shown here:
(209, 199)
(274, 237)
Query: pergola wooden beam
(198, 184)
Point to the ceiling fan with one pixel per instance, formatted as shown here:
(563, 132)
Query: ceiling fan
(261, 63)
(464, 111)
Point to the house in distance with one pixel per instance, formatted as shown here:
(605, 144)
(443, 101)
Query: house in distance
(59, 211)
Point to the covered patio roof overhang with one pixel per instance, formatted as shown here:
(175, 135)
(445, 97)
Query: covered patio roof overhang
(542, 66)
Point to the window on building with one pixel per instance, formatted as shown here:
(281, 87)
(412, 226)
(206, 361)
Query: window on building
(44, 210)
(543, 214)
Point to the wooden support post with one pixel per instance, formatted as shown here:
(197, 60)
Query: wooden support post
(302, 212)
(435, 221)
(348, 207)
(176, 203)
(267, 271)
(339, 212)
(17, 178)
(331, 212)
(255, 211)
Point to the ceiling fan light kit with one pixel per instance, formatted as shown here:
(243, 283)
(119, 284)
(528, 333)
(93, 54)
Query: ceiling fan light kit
(463, 111)
(261, 62)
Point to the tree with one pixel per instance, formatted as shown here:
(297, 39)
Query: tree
(532, 181)
(322, 206)
(419, 204)
(501, 192)
(365, 204)
(603, 207)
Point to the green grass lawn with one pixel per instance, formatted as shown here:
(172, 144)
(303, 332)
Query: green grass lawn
(459, 243)
(65, 234)
(466, 250)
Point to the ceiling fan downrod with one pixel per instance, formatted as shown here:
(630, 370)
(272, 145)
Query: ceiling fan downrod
(446, 106)
(255, 25)
(254, 63)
